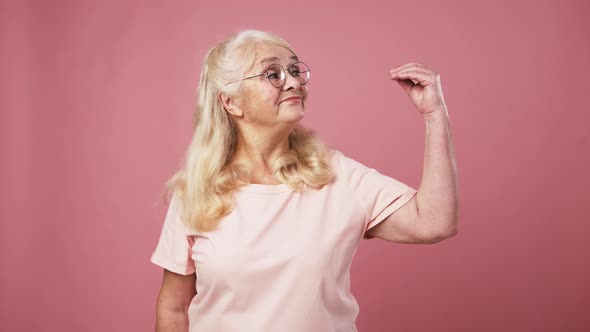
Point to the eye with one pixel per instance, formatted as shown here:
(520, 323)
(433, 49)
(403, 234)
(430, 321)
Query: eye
(273, 73)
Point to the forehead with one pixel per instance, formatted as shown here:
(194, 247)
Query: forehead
(269, 54)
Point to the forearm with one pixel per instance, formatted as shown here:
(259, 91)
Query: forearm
(171, 320)
(438, 194)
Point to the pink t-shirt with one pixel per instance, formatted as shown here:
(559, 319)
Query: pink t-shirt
(280, 261)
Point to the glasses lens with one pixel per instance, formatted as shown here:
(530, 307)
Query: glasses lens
(276, 75)
(300, 71)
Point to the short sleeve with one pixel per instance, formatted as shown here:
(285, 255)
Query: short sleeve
(378, 194)
(173, 251)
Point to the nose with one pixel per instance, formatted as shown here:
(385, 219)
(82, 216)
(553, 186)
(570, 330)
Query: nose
(290, 81)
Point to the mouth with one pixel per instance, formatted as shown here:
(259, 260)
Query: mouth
(292, 99)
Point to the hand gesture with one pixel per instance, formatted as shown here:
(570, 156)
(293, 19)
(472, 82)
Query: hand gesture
(422, 85)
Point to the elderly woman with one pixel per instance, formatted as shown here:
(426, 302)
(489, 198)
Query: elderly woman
(264, 219)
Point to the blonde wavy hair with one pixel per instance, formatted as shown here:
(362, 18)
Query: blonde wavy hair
(207, 180)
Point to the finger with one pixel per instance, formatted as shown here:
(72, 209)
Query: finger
(415, 69)
(398, 78)
(423, 77)
(415, 65)
(409, 64)
(406, 85)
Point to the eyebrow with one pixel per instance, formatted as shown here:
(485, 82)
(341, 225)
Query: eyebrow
(274, 58)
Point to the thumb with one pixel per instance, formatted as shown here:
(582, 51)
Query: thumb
(406, 85)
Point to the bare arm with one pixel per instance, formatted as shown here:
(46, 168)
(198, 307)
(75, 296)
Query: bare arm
(438, 195)
(433, 213)
(175, 296)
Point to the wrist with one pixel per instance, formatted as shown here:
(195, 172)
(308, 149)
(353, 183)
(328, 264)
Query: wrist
(438, 115)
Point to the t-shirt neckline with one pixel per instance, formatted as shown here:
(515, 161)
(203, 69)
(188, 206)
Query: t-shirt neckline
(264, 188)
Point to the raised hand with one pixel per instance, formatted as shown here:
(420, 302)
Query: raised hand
(422, 85)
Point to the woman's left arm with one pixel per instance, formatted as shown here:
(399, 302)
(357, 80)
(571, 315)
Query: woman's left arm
(433, 213)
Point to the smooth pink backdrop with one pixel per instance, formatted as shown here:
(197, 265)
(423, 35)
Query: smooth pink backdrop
(96, 115)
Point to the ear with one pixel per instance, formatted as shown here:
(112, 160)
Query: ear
(229, 104)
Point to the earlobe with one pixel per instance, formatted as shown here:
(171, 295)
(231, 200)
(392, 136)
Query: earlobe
(235, 111)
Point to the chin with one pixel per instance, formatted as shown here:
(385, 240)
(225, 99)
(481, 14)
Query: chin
(293, 117)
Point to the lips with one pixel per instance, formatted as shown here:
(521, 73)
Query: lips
(292, 98)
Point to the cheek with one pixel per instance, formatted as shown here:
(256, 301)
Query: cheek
(264, 104)
(269, 97)
(261, 99)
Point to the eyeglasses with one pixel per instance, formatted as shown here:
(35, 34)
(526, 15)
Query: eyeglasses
(277, 76)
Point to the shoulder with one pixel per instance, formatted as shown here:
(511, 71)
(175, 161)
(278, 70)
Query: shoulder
(348, 171)
(345, 163)
(175, 215)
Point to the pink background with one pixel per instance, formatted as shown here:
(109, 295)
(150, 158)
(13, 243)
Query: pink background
(96, 115)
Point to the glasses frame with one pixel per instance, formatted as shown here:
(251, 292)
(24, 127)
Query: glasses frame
(288, 70)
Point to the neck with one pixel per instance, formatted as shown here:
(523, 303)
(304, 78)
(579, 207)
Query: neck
(255, 149)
